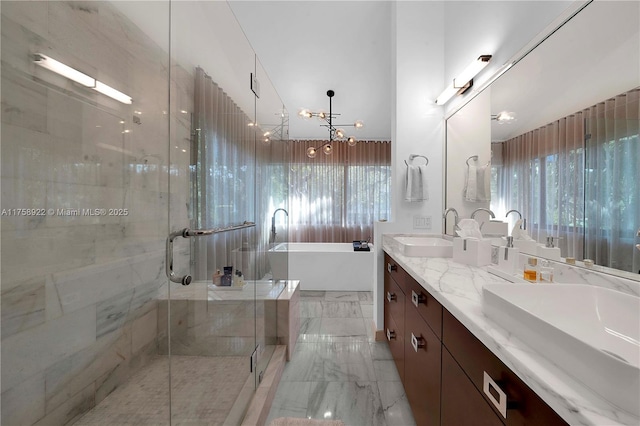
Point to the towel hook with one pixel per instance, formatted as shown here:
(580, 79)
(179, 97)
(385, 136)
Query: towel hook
(473, 157)
(412, 156)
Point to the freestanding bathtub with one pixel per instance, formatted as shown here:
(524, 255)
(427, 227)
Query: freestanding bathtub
(323, 266)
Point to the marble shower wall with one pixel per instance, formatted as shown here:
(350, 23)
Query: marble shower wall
(79, 292)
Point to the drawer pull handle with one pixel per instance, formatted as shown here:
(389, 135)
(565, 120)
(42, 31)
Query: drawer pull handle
(391, 268)
(418, 298)
(391, 297)
(390, 334)
(417, 342)
(501, 402)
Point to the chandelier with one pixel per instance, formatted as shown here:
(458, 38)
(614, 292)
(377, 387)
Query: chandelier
(335, 130)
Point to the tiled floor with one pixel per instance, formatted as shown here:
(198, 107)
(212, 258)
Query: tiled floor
(338, 370)
(204, 391)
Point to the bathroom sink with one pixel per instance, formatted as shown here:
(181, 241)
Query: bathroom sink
(425, 246)
(590, 332)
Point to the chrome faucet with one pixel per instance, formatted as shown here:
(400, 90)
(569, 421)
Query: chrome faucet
(455, 219)
(273, 223)
(482, 209)
(524, 221)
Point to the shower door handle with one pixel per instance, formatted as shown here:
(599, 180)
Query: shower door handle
(186, 233)
(186, 279)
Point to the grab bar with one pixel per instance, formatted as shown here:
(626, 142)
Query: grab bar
(186, 233)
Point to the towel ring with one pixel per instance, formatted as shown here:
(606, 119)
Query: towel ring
(473, 157)
(412, 156)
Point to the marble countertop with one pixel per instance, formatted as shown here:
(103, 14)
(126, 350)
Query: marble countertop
(458, 288)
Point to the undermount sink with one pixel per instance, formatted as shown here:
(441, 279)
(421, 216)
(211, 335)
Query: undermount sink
(590, 332)
(425, 246)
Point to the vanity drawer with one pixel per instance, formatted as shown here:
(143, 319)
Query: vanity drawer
(395, 271)
(394, 302)
(395, 338)
(507, 395)
(422, 354)
(461, 402)
(428, 307)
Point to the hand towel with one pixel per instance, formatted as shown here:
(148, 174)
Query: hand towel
(478, 183)
(471, 188)
(417, 188)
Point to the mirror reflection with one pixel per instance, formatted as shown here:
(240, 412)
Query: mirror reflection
(564, 154)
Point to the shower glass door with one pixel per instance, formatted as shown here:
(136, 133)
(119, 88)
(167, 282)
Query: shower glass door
(209, 328)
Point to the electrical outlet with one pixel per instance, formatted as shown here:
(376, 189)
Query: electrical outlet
(421, 222)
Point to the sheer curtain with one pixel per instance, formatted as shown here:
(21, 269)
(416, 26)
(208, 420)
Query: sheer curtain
(225, 164)
(577, 179)
(338, 197)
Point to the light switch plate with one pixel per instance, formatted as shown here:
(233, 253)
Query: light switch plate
(421, 222)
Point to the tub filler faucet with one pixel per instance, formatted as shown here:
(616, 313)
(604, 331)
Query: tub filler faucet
(273, 224)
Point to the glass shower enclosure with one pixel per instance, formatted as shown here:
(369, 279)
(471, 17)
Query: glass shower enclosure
(101, 153)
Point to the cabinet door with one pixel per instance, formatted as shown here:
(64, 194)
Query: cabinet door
(462, 404)
(396, 342)
(422, 368)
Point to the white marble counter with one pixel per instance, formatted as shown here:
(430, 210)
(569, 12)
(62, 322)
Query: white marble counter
(459, 289)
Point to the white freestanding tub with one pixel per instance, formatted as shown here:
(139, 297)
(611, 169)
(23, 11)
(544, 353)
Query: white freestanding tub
(323, 266)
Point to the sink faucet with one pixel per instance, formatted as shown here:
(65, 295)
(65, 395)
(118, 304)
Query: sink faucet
(473, 215)
(455, 218)
(524, 221)
(273, 223)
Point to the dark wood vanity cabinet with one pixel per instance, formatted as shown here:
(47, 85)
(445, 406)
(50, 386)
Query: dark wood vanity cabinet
(449, 376)
(511, 400)
(416, 345)
(461, 402)
(422, 368)
(394, 312)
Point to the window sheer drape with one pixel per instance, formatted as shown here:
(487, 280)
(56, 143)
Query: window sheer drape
(577, 179)
(338, 197)
(226, 163)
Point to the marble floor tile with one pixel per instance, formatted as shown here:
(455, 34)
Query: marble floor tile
(386, 371)
(309, 326)
(311, 308)
(380, 351)
(367, 311)
(342, 296)
(341, 310)
(312, 294)
(365, 297)
(291, 400)
(395, 405)
(355, 403)
(341, 370)
(339, 327)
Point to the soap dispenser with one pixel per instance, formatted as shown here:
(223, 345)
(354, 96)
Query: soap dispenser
(549, 251)
(508, 257)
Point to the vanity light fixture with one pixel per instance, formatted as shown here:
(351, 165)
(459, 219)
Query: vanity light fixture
(64, 70)
(80, 78)
(464, 81)
(335, 133)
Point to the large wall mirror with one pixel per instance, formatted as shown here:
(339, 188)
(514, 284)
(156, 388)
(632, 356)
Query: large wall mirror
(560, 132)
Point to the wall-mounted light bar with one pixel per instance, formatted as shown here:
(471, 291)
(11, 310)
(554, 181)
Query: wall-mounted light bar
(80, 78)
(464, 80)
(112, 93)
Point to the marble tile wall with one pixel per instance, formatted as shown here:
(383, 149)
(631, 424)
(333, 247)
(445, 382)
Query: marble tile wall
(79, 293)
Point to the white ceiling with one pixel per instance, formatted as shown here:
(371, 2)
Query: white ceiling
(309, 47)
